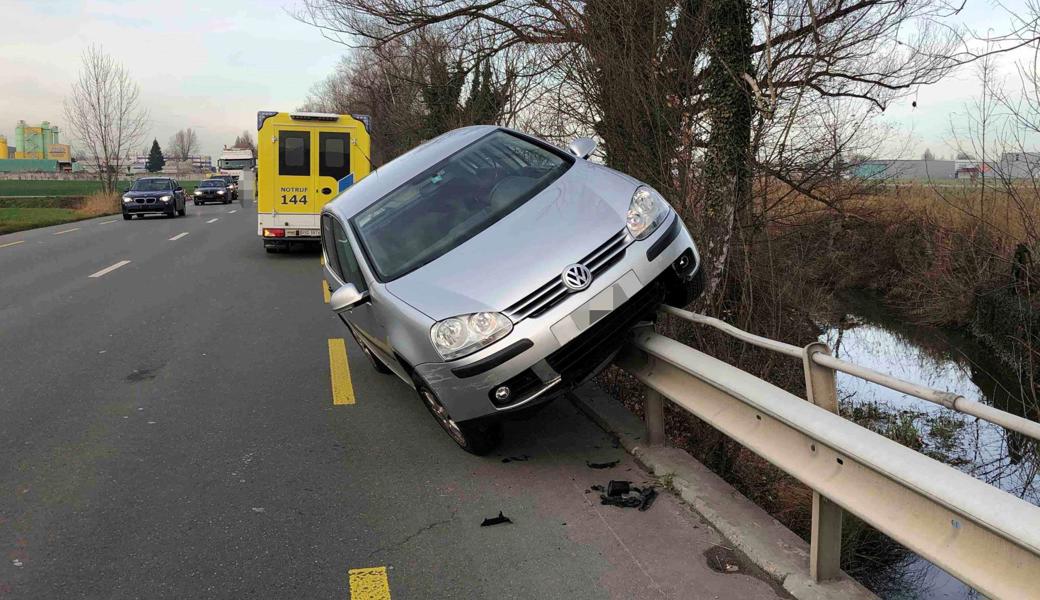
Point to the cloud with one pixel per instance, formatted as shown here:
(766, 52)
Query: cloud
(201, 64)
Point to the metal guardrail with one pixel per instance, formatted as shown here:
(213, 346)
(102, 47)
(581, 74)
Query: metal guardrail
(985, 537)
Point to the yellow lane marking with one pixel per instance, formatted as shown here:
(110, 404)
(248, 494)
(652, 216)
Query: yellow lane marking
(322, 259)
(12, 243)
(342, 388)
(65, 231)
(369, 584)
(325, 291)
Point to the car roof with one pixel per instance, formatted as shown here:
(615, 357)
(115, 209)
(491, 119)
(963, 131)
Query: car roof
(392, 175)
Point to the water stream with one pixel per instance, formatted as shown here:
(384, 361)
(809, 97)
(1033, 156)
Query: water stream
(864, 332)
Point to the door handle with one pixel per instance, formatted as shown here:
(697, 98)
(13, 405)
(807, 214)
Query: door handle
(326, 191)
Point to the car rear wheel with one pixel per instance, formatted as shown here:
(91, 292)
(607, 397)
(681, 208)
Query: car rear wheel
(479, 436)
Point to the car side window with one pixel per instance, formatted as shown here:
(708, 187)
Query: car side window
(349, 268)
(328, 242)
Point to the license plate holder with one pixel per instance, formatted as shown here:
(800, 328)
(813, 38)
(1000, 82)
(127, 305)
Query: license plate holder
(601, 305)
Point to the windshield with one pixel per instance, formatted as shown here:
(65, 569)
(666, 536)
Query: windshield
(235, 163)
(444, 206)
(212, 183)
(152, 185)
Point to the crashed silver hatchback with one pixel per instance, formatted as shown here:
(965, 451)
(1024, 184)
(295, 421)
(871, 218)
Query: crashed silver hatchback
(492, 271)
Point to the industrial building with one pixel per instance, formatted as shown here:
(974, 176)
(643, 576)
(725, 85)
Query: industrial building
(37, 149)
(193, 164)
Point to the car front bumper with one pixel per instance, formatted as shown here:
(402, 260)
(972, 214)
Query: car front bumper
(547, 355)
(135, 208)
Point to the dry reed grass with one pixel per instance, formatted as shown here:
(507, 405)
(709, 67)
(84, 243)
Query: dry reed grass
(98, 204)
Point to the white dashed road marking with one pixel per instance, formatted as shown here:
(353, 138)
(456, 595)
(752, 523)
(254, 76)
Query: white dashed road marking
(231, 212)
(178, 236)
(108, 270)
(211, 220)
(107, 222)
(65, 231)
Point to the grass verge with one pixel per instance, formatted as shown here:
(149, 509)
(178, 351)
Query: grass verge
(43, 212)
(49, 187)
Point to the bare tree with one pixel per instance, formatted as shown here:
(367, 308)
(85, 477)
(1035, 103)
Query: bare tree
(105, 115)
(245, 140)
(685, 95)
(183, 144)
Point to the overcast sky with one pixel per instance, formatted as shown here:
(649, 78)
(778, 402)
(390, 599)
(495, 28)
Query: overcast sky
(211, 64)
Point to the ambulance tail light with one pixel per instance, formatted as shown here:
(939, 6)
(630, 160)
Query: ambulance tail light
(272, 232)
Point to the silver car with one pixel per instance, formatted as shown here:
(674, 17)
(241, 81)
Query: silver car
(492, 271)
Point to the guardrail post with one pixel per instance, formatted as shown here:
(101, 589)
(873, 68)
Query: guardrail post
(654, 412)
(825, 544)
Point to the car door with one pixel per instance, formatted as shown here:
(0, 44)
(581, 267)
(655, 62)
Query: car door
(334, 172)
(294, 192)
(341, 267)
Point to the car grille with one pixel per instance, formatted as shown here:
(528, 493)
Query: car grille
(577, 359)
(146, 200)
(553, 292)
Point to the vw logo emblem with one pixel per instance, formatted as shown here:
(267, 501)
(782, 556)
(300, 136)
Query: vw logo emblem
(576, 277)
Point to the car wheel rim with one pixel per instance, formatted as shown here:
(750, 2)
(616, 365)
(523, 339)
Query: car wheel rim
(443, 417)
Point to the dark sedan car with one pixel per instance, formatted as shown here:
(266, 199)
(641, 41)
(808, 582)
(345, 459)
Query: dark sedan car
(212, 190)
(232, 184)
(154, 195)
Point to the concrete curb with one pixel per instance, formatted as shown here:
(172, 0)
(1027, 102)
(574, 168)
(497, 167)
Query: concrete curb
(769, 545)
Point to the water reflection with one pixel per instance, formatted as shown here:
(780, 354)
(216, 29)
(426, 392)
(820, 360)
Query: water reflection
(863, 332)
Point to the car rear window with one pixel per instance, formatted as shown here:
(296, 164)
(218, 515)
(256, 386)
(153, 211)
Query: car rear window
(449, 203)
(152, 185)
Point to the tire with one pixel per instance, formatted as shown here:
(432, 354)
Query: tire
(183, 211)
(196, 202)
(479, 436)
(377, 364)
(127, 217)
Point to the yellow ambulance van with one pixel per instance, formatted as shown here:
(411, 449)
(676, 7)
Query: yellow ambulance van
(304, 160)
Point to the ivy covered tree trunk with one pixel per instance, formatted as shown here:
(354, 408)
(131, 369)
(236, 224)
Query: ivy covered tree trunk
(638, 118)
(726, 181)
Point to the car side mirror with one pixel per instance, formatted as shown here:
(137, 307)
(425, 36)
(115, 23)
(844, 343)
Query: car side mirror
(179, 189)
(582, 147)
(346, 297)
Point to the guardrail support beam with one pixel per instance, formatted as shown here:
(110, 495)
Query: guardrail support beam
(821, 389)
(654, 413)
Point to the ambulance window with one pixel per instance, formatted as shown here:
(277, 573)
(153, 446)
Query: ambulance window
(294, 153)
(333, 154)
(349, 268)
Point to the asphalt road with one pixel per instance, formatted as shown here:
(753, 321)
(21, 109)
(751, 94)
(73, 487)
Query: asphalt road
(167, 431)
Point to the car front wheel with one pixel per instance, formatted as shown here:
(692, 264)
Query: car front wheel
(479, 436)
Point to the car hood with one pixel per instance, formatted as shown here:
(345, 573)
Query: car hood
(526, 249)
(142, 194)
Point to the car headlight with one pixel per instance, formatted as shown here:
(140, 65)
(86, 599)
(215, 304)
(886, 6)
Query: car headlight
(198, 192)
(165, 198)
(646, 212)
(465, 334)
(220, 192)
(127, 199)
